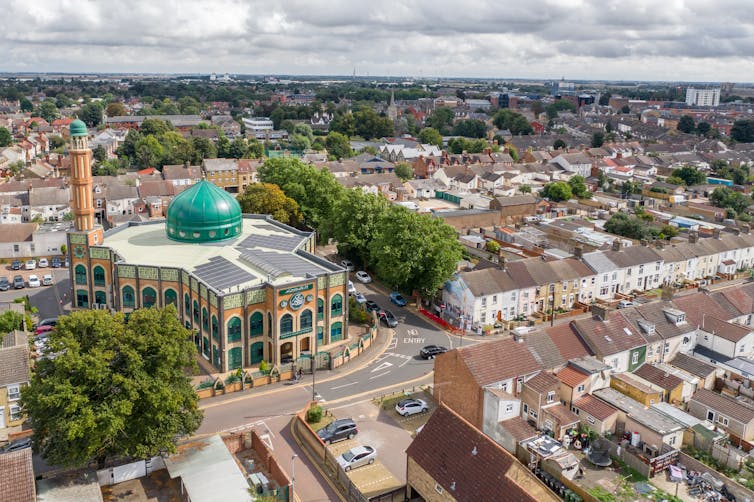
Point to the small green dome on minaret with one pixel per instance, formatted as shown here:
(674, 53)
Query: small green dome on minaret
(78, 128)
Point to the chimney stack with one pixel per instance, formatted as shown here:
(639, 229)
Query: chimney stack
(616, 244)
(744, 228)
(716, 233)
(693, 236)
(578, 252)
(599, 311)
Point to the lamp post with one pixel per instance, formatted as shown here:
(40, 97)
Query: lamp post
(293, 475)
(314, 365)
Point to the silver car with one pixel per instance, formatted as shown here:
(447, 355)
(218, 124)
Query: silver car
(356, 457)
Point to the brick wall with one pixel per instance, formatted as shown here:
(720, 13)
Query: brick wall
(454, 386)
(739, 491)
(418, 479)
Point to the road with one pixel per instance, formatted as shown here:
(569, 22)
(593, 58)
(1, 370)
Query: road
(49, 300)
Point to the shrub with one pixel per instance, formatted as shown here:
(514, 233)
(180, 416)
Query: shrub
(219, 385)
(232, 378)
(314, 414)
(205, 384)
(264, 367)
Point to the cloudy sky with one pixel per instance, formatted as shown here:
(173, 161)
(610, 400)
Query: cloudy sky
(692, 40)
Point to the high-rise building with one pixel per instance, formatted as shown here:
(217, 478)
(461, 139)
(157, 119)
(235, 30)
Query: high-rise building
(702, 97)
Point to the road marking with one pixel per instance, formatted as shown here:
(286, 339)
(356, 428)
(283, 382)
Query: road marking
(381, 374)
(405, 362)
(412, 332)
(412, 339)
(266, 440)
(342, 386)
(382, 366)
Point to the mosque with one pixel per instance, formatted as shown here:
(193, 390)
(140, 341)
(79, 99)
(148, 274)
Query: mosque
(248, 287)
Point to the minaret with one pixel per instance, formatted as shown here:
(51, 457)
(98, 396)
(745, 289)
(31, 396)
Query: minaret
(81, 178)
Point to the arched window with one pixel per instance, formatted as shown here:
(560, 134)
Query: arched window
(234, 329)
(286, 324)
(235, 358)
(320, 309)
(148, 297)
(98, 273)
(187, 305)
(82, 298)
(196, 312)
(171, 297)
(336, 332)
(128, 297)
(215, 328)
(256, 324)
(80, 272)
(336, 306)
(257, 352)
(305, 321)
(100, 297)
(205, 319)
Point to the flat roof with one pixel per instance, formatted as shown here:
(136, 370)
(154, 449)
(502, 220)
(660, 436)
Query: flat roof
(264, 252)
(648, 417)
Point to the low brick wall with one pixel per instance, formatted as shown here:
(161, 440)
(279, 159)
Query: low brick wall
(738, 490)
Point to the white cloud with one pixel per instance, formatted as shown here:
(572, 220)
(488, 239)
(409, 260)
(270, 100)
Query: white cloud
(609, 39)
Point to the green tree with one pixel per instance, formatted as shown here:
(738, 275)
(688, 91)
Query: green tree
(730, 199)
(357, 217)
(238, 148)
(99, 153)
(204, 148)
(524, 189)
(369, 124)
(343, 123)
(266, 198)
(627, 226)
(155, 127)
(441, 119)
(667, 232)
(91, 114)
(471, 128)
(559, 143)
(48, 110)
(148, 152)
(10, 320)
(689, 175)
(255, 150)
(604, 99)
(6, 139)
(299, 142)
(492, 247)
(114, 389)
(55, 142)
(175, 149)
(703, 128)
(512, 121)
(26, 105)
(578, 186)
(686, 124)
(414, 251)
(115, 109)
(404, 171)
(430, 136)
(338, 145)
(558, 106)
(557, 191)
(630, 187)
(742, 131)
(675, 180)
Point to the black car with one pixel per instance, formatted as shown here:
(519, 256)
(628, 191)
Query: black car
(345, 428)
(18, 282)
(56, 263)
(430, 351)
(388, 319)
(4, 284)
(19, 444)
(16, 265)
(371, 306)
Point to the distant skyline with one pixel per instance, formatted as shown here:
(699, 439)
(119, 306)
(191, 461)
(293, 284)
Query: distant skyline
(673, 40)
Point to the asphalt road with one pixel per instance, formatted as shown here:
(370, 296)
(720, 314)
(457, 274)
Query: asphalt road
(50, 300)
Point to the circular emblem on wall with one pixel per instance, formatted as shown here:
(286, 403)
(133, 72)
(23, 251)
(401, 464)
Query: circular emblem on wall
(79, 251)
(297, 301)
(309, 298)
(283, 304)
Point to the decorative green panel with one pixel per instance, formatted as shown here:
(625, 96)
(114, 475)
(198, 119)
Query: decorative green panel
(256, 296)
(77, 238)
(337, 279)
(213, 299)
(149, 273)
(322, 281)
(127, 271)
(194, 285)
(185, 277)
(233, 301)
(100, 253)
(169, 274)
(203, 291)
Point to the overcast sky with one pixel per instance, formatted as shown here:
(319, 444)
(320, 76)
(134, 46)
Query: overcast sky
(692, 40)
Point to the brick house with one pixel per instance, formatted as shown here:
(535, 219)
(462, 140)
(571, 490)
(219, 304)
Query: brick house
(15, 375)
(596, 414)
(515, 208)
(705, 372)
(725, 412)
(451, 460)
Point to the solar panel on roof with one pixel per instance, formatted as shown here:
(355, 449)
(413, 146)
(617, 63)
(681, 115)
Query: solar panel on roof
(276, 241)
(291, 263)
(221, 273)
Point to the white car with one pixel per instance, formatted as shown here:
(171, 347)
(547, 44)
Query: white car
(356, 457)
(43, 263)
(360, 298)
(408, 407)
(34, 281)
(363, 277)
(347, 264)
(30, 264)
(47, 280)
(351, 288)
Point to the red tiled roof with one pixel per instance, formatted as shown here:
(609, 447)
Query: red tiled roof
(568, 342)
(723, 404)
(519, 429)
(17, 481)
(563, 414)
(495, 361)
(468, 464)
(542, 382)
(698, 304)
(571, 376)
(658, 377)
(608, 337)
(597, 408)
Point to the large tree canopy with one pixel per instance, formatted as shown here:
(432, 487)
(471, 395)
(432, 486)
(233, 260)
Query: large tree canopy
(115, 388)
(266, 198)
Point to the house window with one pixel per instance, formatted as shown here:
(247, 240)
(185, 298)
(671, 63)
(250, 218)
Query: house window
(234, 329)
(483, 317)
(532, 413)
(722, 420)
(99, 276)
(590, 419)
(15, 412)
(80, 272)
(508, 407)
(575, 410)
(580, 388)
(550, 397)
(14, 392)
(494, 299)
(671, 440)
(484, 301)
(742, 348)
(635, 358)
(711, 416)
(604, 278)
(565, 286)
(336, 306)
(603, 291)
(438, 488)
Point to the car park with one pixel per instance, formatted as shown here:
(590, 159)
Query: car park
(371, 306)
(56, 262)
(347, 264)
(16, 265)
(360, 299)
(398, 299)
(47, 280)
(357, 457)
(363, 277)
(30, 264)
(18, 282)
(16, 445)
(43, 263)
(351, 288)
(4, 284)
(34, 281)
(388, 318)
(344, 428)
(430, 351)
(408, 407)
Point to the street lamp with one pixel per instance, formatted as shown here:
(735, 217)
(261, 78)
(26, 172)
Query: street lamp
(314, 366)
(293, 475)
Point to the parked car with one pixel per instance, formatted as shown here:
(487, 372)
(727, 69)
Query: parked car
(371, 306)
(41, 330)
(398, 299)
(363, 277)
(43, 263)
(360, 299)
(30, 264)
(344, 428)
(408, 407)
(34, 281)
(356, 457)
(4, 284)
(16, 265)
(56, 262)
(16, 445)
(624, 304)
(347, 264)
(351, 288)
(388, 318)
(50, 321)
(18, 282)
(47, 280)
(430, 351)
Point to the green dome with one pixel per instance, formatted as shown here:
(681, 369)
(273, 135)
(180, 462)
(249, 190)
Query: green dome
(203, 213)
(78, 128)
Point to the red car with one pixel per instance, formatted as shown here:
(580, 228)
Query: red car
(43, 329)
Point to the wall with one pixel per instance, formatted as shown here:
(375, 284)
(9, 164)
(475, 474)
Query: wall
(739, 491)
(418, 479)
(644, 397)
(699, 410)
(455, 386)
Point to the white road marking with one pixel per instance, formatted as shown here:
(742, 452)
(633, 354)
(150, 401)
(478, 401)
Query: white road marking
(381, 374)
(382, 366)
(344, 385)
(266, 439)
